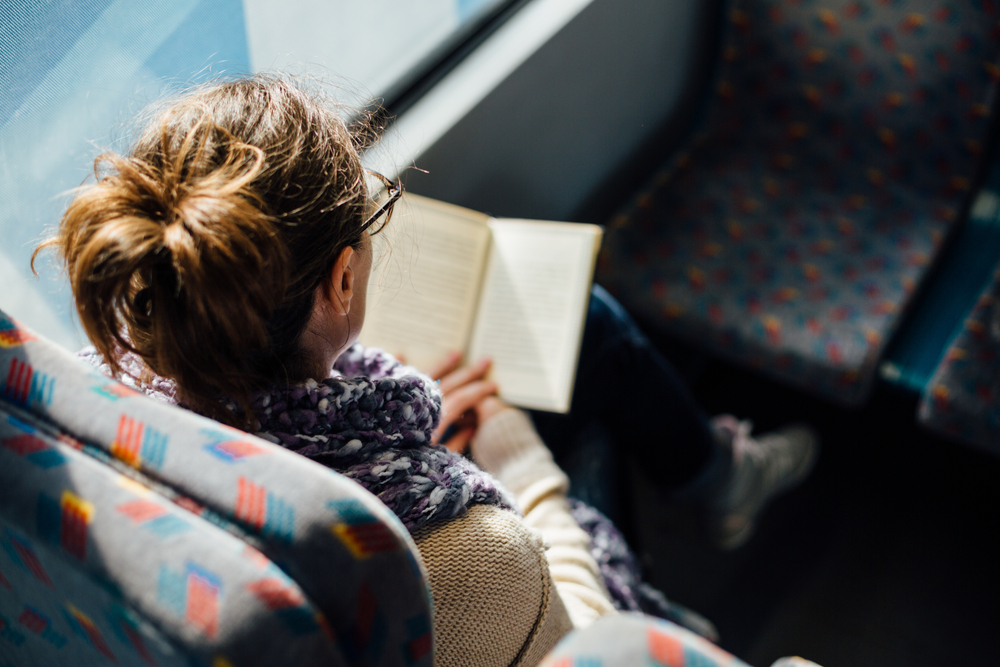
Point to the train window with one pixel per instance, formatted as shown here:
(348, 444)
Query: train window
(75, 73)
(381, 46)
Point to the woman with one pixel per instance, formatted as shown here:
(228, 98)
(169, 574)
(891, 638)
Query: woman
(223, 265)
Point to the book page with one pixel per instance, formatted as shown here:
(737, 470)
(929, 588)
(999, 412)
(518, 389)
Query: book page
(533, 307)
(425, 281)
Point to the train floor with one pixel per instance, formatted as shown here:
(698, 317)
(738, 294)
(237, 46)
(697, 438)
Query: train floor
(888, 555)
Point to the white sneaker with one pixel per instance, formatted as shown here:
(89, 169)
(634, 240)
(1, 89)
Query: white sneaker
(761, 468)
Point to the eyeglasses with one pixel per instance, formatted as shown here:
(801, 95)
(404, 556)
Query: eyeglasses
(392, 192)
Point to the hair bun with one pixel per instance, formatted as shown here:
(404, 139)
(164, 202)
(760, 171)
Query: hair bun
(182, 251)
(178, 250)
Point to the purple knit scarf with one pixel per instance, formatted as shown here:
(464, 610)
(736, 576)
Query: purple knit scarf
(371, 421)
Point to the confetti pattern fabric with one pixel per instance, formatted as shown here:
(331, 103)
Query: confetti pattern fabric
(962, 400)
(841, 144)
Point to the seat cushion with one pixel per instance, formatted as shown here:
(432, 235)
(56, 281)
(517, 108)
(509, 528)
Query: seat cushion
(839, 150)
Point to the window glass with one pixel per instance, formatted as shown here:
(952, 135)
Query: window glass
(374, 44)
(74, 72)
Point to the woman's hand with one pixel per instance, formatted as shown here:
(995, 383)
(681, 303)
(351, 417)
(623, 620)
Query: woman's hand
(469, 399)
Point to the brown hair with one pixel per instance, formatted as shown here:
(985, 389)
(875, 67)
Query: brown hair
(201, 250)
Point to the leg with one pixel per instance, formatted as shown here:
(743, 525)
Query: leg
(626, 383)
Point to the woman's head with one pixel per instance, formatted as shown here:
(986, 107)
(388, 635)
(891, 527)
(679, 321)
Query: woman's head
(204, 248)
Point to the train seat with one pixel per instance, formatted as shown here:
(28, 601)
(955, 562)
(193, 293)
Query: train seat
(840, 149)
(137, 533)
(962, 399)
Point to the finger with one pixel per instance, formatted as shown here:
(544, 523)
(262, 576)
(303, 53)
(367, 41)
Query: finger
(463, 376)
(459, 408)
(450, 362)
(452, 425)
(400, 357)
(465, 398)
(490, 406)
(459, 442)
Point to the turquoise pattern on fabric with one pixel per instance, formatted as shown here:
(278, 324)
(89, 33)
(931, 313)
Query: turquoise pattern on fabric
(135, 533)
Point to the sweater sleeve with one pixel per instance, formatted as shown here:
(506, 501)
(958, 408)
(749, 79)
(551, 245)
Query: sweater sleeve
(508, 446)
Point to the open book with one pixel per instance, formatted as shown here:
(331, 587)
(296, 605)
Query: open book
(446, 278)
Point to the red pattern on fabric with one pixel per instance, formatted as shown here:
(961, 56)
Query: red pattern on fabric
(15, 337)
(364, 616)
(251, 503)
(75, 517)
(276, 594)
(93, 634)
(18, 381)
(128, 441)
(33, 620)
(418, 647)
(135, 639)
(141, 510)
(23, 445)
(665, 649)
(202, 604)
(30, 560)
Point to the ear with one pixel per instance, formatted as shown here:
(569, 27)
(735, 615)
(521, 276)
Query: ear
(340, 289)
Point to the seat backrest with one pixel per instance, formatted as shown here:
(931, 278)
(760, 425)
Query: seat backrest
(905, 88)
(139, 533)
(630, 639)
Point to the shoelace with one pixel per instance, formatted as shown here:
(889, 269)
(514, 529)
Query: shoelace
(781, 457)
(772, 456)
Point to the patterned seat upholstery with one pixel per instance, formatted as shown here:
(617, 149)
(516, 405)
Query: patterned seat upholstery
(838, 153)
(962, 399)
(634, 639)
(137, 533)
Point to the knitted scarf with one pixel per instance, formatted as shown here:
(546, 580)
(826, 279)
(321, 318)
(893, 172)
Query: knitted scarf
(372, 421)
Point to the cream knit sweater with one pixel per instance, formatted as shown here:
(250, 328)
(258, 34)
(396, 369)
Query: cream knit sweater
(506, 588)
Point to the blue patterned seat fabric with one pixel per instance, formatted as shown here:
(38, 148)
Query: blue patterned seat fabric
(633, 639)
(962, 400)
(838, 153)
(103, 570)
(137, 533)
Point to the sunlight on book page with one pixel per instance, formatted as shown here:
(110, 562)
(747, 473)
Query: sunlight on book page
(532, 309)
(425, 280)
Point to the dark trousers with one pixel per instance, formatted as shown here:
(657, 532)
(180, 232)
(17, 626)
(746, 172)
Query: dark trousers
(627, 388)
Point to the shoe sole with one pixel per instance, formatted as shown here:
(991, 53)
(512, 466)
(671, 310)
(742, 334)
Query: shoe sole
(729, 539)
